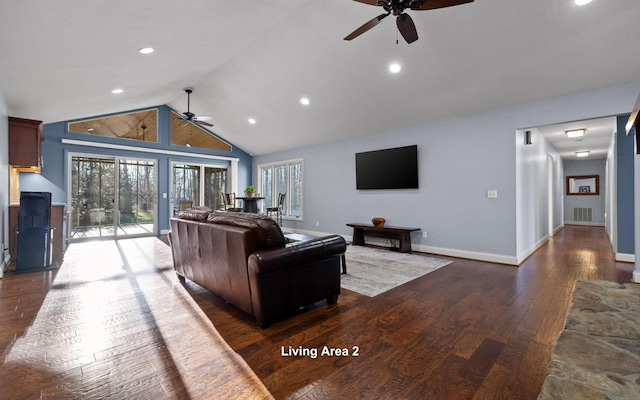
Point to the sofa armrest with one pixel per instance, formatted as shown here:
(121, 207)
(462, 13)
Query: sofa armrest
(264, 261)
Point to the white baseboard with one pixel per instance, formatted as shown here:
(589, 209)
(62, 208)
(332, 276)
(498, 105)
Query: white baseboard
(625, 257)
(584, 223)
(473, 255)
(4, 264)
(525, 254)
(636, 276)
(164, 231)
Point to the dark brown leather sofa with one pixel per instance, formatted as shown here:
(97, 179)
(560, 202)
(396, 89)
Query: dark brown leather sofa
(244, 259)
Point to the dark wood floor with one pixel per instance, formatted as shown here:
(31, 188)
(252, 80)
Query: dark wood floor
(470, 330)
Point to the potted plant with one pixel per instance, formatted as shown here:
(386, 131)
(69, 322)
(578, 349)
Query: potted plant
(250, 191)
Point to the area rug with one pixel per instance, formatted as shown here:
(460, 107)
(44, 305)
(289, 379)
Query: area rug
(597, 355)
(371, 271)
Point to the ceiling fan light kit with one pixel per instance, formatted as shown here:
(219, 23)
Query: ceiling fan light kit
(404, 22)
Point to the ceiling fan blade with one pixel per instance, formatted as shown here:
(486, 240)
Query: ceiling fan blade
(368, 25)
(370, 2)
(422, 5)
(203, 123)
(407, 28)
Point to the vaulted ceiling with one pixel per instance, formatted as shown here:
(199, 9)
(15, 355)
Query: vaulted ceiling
(59, 60)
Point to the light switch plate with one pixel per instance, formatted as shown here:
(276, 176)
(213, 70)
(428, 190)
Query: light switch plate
(492, 194)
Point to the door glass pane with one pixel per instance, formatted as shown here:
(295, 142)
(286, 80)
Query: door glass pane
(137, 197)
(295, 197)
(92, 197)
(215, 182)
(266, 182)
(186, 187)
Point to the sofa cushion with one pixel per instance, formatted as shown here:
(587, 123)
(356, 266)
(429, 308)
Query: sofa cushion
(199, 214)
(267, 231)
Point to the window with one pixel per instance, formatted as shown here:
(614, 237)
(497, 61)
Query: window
(191, 135)
(140, 125)
(283, 177)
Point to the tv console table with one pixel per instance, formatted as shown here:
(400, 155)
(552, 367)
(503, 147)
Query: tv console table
(403, 235)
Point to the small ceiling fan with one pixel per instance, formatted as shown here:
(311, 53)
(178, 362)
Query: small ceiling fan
(404, 22)
(188, 115)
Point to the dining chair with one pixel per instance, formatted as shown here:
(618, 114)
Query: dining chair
(278, 208)
(230, 202)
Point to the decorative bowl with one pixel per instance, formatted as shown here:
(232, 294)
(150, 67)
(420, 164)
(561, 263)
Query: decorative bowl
(378, 222)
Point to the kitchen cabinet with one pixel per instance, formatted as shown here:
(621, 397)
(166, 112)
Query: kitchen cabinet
(25, 136)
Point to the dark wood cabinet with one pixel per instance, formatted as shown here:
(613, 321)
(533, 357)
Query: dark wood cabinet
(25, 136)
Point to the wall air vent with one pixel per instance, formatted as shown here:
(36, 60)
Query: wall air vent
(583, 214)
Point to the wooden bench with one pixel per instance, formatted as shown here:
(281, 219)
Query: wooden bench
(403, 235)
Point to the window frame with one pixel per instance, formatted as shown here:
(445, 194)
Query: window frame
(287, 208)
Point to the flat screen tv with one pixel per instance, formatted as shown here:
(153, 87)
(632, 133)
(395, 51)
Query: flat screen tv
(395, 168)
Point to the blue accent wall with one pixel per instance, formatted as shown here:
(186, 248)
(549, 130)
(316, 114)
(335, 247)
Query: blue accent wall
(55, 159)
(625, 153)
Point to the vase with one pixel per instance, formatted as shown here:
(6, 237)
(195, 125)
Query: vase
(378, 222)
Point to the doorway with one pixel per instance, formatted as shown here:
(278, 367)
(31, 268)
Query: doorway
(112, 197)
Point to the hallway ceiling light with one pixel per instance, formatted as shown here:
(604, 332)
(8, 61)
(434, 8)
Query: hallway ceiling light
(576, 133)
(145, 50)
(582, 2)
(582, 153)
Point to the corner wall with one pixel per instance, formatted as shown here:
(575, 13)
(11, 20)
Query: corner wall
(532, 193)
(625, 156)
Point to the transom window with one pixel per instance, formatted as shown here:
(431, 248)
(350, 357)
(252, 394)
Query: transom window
(283, 177)
(139, 125)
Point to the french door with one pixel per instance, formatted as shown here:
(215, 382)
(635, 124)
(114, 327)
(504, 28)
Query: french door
(197, 185)
(112, 197)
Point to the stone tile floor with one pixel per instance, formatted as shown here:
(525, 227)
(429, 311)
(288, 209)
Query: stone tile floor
(597, 355)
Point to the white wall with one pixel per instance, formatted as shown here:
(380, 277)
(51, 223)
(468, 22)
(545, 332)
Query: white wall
(636, 272)
(459, 160)
(610, 199)
(4, 184)
(532, 192)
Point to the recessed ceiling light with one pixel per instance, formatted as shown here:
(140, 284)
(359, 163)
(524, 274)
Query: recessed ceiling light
(582, 2)
(145, 50)
(305, 101)
(575, 133)
(252, 121)
(582, 153)
(117, 91)
(394, 68)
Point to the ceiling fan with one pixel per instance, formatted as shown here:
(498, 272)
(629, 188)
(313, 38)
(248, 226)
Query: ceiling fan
(404, 22)
(188, 115)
